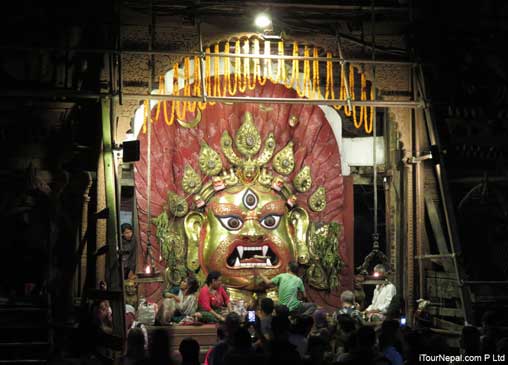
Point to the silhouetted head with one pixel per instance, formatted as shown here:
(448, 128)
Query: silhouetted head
(365, 337)
(136, 343)
(280, 326)
(346, 323)
(470, 340)
(232, 323)
(267, 305)
(293, 267)
(189, 349)
(160, 346)
(242, 340)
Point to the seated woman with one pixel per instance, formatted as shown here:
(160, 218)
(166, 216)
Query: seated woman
(213, 300)
(175, 307)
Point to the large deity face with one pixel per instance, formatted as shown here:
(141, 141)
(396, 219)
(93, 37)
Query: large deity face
(248, 229)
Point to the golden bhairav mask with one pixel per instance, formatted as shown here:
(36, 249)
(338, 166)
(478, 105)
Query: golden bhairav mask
(248, 228)
(243, 219)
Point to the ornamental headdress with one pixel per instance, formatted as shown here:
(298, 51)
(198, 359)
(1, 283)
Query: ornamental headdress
(248, 165)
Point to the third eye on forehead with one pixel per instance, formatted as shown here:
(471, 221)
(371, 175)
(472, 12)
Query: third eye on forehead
(250, 199)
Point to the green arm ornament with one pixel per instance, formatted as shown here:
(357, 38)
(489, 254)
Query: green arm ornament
(193, 223)
(299, 220)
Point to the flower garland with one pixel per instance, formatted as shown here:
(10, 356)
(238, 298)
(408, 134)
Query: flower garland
(261, 80)
(251, 72)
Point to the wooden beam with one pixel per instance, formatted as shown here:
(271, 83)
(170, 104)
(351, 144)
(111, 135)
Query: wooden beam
(437, 229)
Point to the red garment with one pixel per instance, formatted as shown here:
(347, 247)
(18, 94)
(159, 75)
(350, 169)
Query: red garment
(208, 301)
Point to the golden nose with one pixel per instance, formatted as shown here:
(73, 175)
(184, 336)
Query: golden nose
(252, 230)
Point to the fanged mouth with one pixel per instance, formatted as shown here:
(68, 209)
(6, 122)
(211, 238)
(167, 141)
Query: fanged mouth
(250, 257)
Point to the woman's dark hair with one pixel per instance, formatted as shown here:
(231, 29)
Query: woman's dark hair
(212, 275)
(192, 285)
(125, 226)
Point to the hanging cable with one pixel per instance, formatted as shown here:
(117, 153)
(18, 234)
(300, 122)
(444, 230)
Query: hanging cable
(375, 234)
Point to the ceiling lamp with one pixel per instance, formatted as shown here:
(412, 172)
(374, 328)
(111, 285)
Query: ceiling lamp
(263, 22)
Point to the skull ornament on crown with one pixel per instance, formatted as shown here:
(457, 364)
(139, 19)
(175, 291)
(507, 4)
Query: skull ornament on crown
(243, 218)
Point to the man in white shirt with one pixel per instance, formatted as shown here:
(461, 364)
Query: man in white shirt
(383, 295)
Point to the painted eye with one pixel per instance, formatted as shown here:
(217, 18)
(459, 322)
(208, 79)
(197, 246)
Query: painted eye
(270, 221)
(232, 223)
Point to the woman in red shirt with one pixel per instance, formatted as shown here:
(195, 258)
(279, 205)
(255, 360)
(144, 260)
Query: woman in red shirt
(213, 300)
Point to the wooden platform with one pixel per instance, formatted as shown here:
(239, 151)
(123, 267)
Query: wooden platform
(205, 334)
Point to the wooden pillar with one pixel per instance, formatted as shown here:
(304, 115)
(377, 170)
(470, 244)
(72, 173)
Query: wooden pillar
(392, 187)
(409, 227)
(419, 146)
(114, 273)
(82, 268)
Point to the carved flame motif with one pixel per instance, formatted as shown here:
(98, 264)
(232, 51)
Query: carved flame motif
(177, 205)
(317, 201)
(284, 160)
(209, 160)
(247, 139)
(303, 180)
(191, 182)
(226, 143)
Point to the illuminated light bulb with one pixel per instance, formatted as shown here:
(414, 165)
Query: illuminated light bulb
(376, 274)
(147, 269)
(262, 21)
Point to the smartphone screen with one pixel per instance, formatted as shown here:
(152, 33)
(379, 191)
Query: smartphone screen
(251, 316)
(402, 321)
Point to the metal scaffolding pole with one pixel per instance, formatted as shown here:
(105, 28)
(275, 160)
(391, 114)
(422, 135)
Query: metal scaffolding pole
(201, 54)
(70, 94)
(448, 209)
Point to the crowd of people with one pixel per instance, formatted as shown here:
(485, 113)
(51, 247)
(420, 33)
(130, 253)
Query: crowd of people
(294, 331)
(277, 337)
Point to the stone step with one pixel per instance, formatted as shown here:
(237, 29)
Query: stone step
(23, 334)
(24, 362)
(13, 316)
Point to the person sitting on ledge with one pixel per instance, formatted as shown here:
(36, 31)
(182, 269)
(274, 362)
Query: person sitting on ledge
(175, 307)
(349, 308)
(213, 300)
(289, 286)
(383, 295)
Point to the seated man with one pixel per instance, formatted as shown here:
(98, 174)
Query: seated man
(289, 286)
(348, 307)
(383, 295)
(213, 301)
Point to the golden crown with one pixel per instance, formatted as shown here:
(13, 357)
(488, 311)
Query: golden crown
(246, 169)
